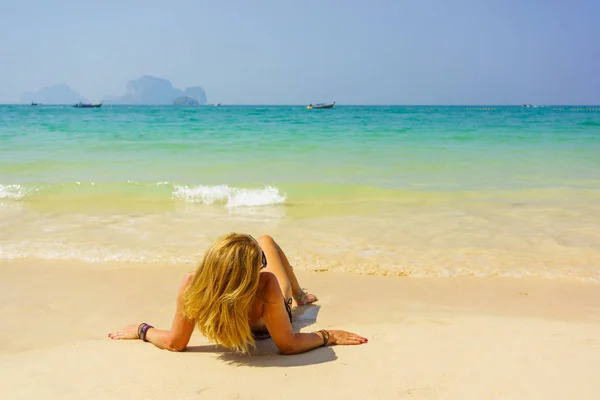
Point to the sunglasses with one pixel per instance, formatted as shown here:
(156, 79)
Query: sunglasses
(264, 260)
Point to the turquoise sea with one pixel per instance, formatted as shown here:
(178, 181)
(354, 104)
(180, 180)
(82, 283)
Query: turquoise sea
(393, 190)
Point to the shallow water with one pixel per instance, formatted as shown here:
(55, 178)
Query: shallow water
(424, 191)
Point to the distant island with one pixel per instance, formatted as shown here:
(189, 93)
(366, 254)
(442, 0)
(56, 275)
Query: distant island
(57, 94)
(147, 90)
(185, 101)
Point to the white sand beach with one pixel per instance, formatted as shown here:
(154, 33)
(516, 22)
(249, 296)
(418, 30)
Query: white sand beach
(429, 338)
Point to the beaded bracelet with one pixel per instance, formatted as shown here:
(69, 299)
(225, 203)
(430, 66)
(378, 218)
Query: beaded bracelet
(144, 330)
(139, 329)
(325, 336)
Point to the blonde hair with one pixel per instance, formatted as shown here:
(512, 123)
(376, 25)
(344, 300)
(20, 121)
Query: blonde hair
(222, 291)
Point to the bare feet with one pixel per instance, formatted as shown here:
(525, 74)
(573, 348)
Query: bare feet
(305, 298)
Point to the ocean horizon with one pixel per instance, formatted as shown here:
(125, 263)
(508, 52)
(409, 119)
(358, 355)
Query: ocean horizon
(592, 107)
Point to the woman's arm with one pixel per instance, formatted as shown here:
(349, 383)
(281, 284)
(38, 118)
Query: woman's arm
(174, 339)
(282, 333)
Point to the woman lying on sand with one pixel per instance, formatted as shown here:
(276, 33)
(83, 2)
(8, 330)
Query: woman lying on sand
(241, 291)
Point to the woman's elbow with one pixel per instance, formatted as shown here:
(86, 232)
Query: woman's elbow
(175, 347)
(288, 349)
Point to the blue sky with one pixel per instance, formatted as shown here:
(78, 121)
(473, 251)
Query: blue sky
(296, 52)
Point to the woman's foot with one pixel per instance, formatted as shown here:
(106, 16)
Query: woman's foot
(305, 298)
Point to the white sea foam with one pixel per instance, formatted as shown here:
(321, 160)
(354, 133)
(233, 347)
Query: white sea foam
(231, 197)
(12, 192)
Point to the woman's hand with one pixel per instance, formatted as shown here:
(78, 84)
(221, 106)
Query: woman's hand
(128, 332)
(345, 338)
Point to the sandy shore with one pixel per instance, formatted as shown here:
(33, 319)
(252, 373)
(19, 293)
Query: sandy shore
(429, 338)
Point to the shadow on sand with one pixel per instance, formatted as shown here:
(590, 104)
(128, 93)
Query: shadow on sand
(266, 353)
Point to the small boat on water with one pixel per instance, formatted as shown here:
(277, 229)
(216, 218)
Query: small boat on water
(88, 105)
(33, 103)
(320, 106)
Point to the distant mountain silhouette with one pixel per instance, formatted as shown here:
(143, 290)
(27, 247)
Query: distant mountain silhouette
(185, 101)
(196, 93)
(150, 90)
(147, 90)
(57, 94)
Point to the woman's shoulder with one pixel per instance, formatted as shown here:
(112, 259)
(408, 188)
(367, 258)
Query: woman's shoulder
(268, 286)
(187, 279)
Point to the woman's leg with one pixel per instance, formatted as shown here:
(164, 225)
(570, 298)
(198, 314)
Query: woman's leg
(278, 264)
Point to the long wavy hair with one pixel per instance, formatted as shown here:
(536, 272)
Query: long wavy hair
(222, 291)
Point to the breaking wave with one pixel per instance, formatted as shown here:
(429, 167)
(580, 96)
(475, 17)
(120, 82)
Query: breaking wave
(231, 197)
